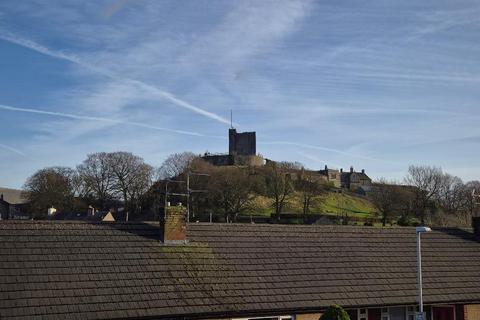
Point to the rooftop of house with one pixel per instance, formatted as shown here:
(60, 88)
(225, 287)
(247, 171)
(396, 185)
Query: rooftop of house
(12, 196)
(92, 270)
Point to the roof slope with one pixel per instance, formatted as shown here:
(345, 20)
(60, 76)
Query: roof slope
(117, 270)
(12, 196)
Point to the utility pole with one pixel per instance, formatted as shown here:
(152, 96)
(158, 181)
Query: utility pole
(419, 230)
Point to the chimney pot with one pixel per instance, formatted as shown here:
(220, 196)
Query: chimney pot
(341, 170)
(363, 170)
(351, 169)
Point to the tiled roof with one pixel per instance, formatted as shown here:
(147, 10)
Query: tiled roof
(12, 196)
(49, 269)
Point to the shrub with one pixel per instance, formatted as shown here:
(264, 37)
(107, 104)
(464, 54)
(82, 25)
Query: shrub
(406, 221)
(335, 312)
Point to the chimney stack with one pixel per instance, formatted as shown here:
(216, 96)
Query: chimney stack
(351, 169)
(363, 171)
(173, 228)
(341, 170)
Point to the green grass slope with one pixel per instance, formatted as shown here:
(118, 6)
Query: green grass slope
(331, 203)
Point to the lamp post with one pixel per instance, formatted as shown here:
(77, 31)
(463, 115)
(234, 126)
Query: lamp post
(419, 230)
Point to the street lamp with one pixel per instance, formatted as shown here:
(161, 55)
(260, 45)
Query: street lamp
(419, 231)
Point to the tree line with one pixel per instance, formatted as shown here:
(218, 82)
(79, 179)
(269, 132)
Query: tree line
(426, 195)
(122, 179)
(102, 180)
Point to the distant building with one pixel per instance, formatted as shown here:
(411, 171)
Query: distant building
(242, 151)
(242, 143)
(332, 175)
(12, 204)
(355, 180)
(91, 215)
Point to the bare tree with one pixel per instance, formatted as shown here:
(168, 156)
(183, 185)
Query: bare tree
(96, 174)
(387, 197)
(176, 164)
(231, 190)
(309, 185)
(50, 187)
(116, 175)
(131, 177)
(427, 182)
(278, 184)
(451, 195)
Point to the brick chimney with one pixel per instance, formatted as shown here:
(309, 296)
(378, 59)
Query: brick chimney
(173, 229)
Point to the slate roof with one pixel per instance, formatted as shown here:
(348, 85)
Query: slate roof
(88, 270)
(12, 196)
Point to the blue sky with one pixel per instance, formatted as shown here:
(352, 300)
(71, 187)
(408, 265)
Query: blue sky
(374, 84)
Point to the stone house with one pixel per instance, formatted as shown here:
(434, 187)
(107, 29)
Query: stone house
(12, 204)
(332, 175)
(175, 270)
(354, 180)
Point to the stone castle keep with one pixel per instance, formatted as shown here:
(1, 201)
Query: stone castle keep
(242, 151)
(242, 143)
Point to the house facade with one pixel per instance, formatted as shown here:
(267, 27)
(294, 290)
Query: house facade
(332, 176)
(100, 270)
(354, 180)
(12, 204)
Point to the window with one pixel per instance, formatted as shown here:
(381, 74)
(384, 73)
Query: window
(411, 312)
(362, 314)
(385, 315)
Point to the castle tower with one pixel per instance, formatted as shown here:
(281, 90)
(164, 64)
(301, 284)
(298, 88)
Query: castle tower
(243, 143)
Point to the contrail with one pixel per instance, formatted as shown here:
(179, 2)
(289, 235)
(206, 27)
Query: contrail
(316, 159)
(115, 121)
(32, 45)
(308, 146)
(13, 150)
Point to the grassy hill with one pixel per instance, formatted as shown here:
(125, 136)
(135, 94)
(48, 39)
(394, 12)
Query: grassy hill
(332, 203)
